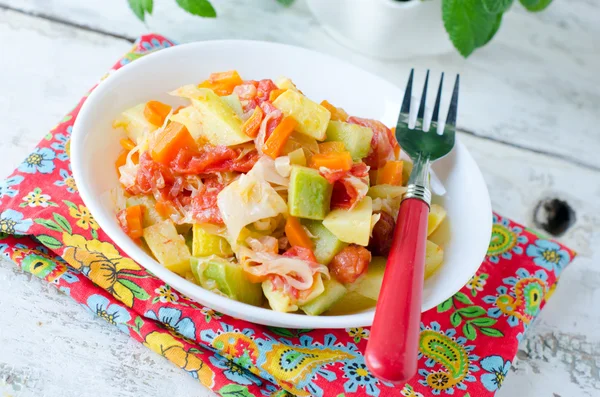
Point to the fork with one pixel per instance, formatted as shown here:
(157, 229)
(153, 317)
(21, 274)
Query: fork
(392, 349)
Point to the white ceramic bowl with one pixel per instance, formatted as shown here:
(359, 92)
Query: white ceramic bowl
(95, 147)
(385, 29)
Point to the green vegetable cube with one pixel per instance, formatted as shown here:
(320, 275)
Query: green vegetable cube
(227, 278)
(326, 245)
(334, 291)
(206, 244)
(356, 138)
(168, 246)
(309, 194)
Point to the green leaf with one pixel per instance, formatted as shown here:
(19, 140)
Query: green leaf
(495, 28)
(139, 323)
(63, 222)
(472, 311)
(455, 319)
(49, 241)
(468, 25)
(195, 351)
(445, 306)
(282, 332)
(202, 8)
(469, 331)
(493, 332)
(496, 6)
(141, 7)
(233, 390)
(47, 223)
(285, 2)
(94, 234)
(135, 289)
(70, 204)
(463, 298)
(483, 321)
(535, 5)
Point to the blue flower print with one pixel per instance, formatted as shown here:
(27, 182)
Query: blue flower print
(41, 160)
(3, 248)
(171, 319)
(358, 375)
(61, 145)
(155, 44)
(234, 372)
(549, 255)
(66, 180)
(12, 222)
(497, 369)
(6, 189)
(113, 313)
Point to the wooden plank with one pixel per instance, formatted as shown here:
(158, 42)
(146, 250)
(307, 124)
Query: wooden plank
(50, 345)
(535, 86)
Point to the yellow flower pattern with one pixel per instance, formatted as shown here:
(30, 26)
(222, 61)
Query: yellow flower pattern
(169, 347)
(105, 264)
(85, 220)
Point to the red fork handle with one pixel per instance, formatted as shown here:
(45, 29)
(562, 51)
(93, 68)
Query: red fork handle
(393, 344)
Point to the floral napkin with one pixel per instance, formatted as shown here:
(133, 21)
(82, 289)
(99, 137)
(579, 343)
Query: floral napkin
(467, 343)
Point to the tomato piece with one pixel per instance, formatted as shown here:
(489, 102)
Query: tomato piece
(303, 253)
(263, 90)
(152, 175)
(204, 204)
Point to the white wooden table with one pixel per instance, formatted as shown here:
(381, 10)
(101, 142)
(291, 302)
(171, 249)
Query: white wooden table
(530, 110)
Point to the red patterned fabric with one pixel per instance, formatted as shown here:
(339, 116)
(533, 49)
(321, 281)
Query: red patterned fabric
(466, 347)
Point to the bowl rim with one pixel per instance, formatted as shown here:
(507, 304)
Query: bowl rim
(129, 248)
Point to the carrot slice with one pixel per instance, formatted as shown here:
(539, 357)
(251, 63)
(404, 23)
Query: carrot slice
(170, 141)
(156, 112)
(390, 174)
(337, 114)
(252, 125)
(121, 160)
(341, 161)
(222, 83)
(274, 144)
(127, 144)
(331, 147)
(131, 221)
(178, 109)
(296, 234)
(275, 93)
(163, 208)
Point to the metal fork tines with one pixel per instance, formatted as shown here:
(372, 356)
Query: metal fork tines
(424, 146)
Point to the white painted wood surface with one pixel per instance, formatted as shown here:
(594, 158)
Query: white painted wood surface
(536, 87)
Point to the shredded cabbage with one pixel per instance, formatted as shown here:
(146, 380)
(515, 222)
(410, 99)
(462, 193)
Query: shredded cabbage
(266, 170)
(247, 200)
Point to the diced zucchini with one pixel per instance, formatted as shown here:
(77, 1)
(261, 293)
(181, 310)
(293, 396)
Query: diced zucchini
(334, 291)
(326, 244)
(168, 246)
(220, 124)
(151, 215)
(369, 285)
(351, 303)
(356, 138)
(352, 226)
(434, 256)
(134, 123)
(312, 118)
(309, 193)
(437, 214)
(206, 244)
(234, 102)
(227, 277)
(278, 300)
